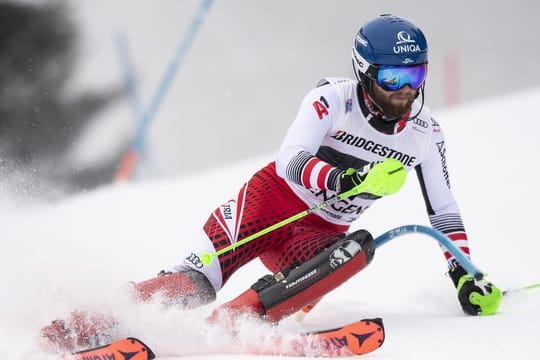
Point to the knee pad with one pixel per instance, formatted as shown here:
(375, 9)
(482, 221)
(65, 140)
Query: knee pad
(289, 290)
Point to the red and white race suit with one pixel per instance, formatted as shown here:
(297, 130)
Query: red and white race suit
(333, 130)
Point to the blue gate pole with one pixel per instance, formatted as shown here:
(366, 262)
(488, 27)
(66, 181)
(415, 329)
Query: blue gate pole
(130, 157)
(437, 235)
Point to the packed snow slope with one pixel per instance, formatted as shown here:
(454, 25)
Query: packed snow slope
(81, 253)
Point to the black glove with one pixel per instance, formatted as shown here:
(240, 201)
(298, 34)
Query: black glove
(477, 297)
(351, 178)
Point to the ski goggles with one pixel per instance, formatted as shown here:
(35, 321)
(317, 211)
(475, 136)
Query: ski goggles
(394, 77)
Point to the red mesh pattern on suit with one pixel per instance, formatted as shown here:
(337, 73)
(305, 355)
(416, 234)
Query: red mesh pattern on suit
(269, 200)
(309, 236)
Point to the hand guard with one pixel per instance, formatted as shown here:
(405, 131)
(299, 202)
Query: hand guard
(477, 297)
(352, 178)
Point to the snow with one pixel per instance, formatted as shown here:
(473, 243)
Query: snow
(83, 251)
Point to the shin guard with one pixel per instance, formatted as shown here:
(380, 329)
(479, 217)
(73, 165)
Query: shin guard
(277, 296)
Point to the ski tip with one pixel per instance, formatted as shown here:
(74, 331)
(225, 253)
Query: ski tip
(144, 347)
(357, 338)
(376, 320)
(129, 348)
(365, 336)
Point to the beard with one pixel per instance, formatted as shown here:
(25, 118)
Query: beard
(396, 108)
(394, 105)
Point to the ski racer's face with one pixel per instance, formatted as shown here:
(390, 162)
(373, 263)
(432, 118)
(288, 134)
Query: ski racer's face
(396, 103)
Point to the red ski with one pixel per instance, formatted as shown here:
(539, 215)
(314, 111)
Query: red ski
(126, 349)
(357, 338)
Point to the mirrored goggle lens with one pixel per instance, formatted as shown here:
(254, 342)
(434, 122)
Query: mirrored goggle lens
(392, 77)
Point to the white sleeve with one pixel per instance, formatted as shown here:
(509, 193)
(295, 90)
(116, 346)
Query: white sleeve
(296, 160)
(442, 209)
(434, 177)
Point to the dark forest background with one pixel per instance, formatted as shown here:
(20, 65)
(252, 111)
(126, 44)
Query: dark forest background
(39, 120)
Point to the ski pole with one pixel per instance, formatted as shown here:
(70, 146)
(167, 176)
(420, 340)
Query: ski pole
(384, 179)
(437, 235)
(520, 289)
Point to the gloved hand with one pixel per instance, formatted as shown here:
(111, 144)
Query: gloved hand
(477, 297)
(352, 178)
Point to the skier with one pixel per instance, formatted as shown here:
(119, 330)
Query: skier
(342, 129)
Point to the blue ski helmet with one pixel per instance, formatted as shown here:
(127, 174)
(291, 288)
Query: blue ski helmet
(387, 40)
